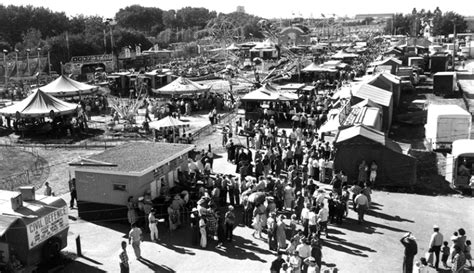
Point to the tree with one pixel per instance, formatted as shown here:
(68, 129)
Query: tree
(444, 24)
(189, 17)
(169, 19)
(140, 18)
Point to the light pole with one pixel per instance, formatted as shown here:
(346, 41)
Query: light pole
(28, 61)
(16, 61)
(38, 50)
(5, 66)
(454, 44)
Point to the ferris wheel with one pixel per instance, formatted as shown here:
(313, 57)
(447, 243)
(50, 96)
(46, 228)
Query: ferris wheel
(224, 30)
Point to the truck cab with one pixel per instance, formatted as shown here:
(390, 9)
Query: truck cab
(460, 164)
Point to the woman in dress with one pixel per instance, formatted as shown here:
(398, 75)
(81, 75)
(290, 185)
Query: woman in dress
(363, 171)
(131, 214)
(257, 223)
(280, 233)
(373, 172)
(202, 229)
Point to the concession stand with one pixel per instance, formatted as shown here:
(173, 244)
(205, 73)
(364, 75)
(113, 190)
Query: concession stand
(105, 181)
(33, 229)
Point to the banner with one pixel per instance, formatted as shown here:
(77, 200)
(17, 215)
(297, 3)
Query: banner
(92, 58)
(47, 226)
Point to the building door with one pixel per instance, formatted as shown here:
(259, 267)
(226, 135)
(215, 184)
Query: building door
(155, 187)
(171, 179)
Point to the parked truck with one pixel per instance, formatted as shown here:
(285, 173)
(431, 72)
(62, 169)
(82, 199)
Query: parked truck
(460, 165)
(445, 124)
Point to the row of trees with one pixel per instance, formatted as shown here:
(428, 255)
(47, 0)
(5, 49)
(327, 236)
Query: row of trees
(28, 27)
(414, 23)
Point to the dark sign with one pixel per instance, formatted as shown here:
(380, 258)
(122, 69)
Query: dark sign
(92, 58)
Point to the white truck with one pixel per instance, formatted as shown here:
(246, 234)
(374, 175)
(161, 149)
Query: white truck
(445, 124)
(460, 164)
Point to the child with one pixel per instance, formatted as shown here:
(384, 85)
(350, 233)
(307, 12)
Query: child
(445, 251)
(467, 252)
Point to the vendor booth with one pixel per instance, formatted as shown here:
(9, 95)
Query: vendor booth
(167, 128)
(105, 181)
(379, 96)
(33, 229)
(388, 82)
(357, 143)
(182, 86)
(266, 97)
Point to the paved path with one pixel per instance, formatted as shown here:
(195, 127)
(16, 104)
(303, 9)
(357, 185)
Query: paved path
(373, 247)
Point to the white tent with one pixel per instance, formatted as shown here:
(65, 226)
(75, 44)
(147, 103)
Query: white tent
(66, 87)
(182, 86)
(167, 122)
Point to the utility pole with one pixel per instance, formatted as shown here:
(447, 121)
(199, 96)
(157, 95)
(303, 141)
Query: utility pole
(454, 44)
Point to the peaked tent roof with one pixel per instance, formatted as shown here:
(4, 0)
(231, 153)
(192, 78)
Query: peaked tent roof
(233, 47)
(167, 122)
(182, 86)
(375, 94)
(269, 93)
(39, 104)
(66, 87)
(341, 55)
(317, 68)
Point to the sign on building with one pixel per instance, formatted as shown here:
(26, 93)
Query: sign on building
(47, 226)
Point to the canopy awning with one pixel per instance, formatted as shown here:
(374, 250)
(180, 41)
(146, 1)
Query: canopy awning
(317, 68)
(269, 93)
(182, 86)
(167, 122)
(66, 87)
(39, 104)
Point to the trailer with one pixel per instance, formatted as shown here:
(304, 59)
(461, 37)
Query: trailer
(445, 83)
(33, 229)
(445, 124)
(460, 164)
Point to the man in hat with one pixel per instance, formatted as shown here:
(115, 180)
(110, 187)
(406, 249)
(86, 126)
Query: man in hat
(311, 265)
(152, 224)
(436, 242)
(411, 248)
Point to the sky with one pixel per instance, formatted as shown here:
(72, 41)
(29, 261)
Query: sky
(263, 8)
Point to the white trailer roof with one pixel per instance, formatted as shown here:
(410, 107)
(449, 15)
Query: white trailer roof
(462, 146)
(447, 110)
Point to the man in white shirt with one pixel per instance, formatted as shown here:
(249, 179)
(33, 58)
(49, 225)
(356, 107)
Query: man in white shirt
(313, 221)
(362, 204)
(304, 251)
(323, 216)
(305, 219)
(436, 242)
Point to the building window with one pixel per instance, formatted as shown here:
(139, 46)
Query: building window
(120, 187)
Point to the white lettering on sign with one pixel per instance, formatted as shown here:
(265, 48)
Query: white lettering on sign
(92, 58)
(47, 226)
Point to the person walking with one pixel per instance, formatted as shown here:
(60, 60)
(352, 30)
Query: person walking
(436, 242)
(411, 248)
(459, 260)
(47, 190)
(73, 192)
(361, 204)
(134, 238)
(229, 223)
(152, 224)
(124, 267)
